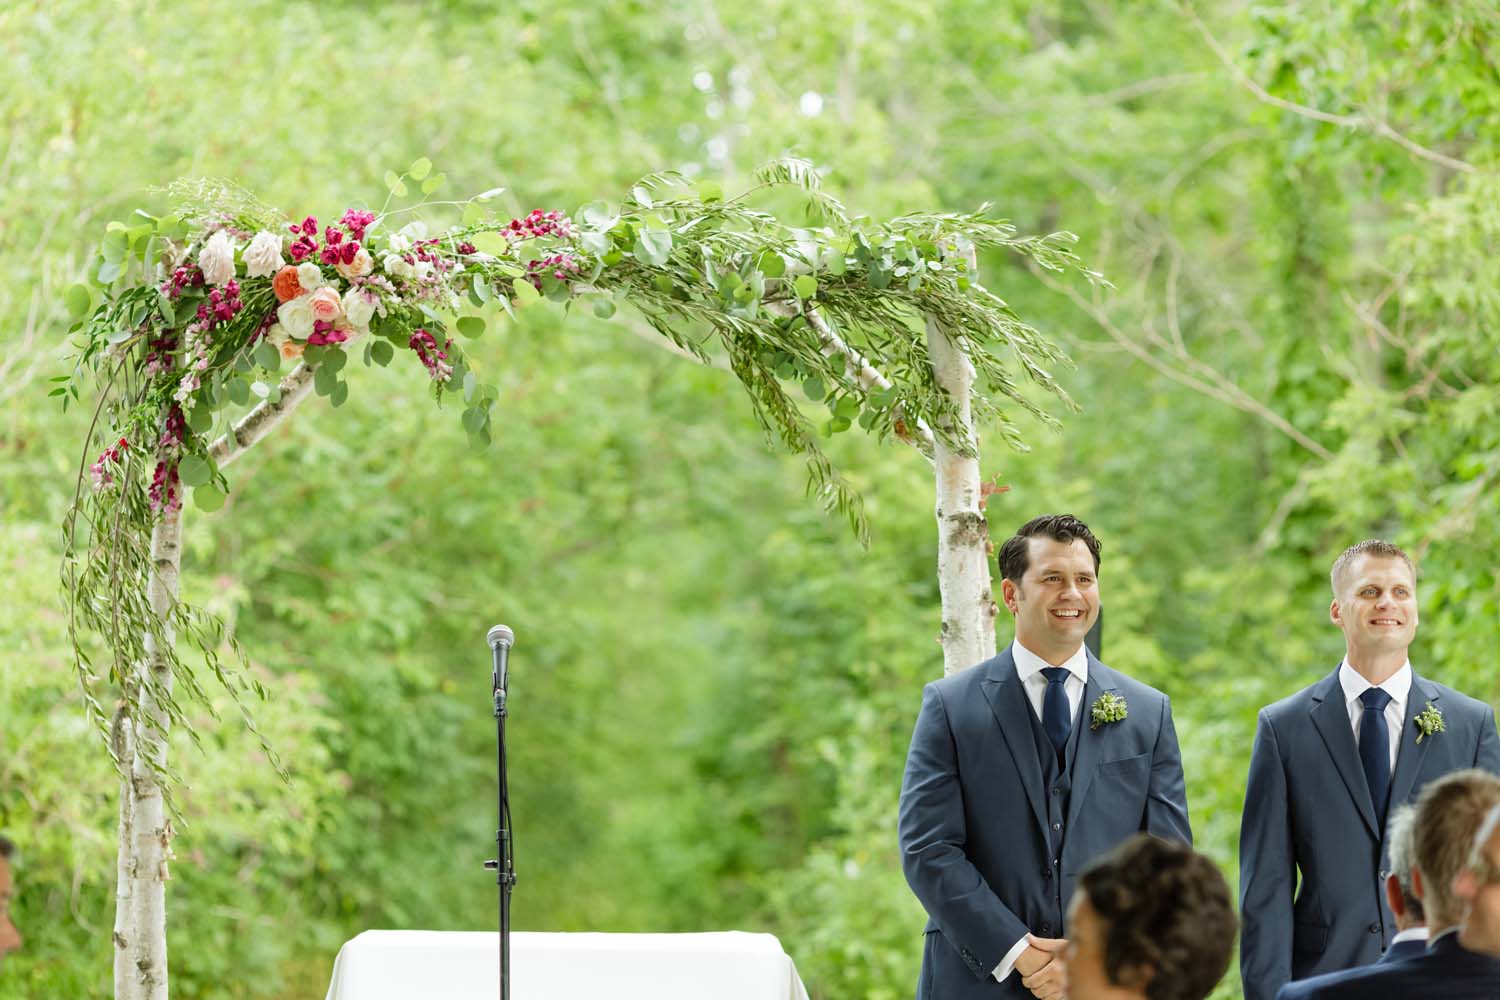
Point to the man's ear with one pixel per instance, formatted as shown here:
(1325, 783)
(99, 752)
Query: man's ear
(1417, 888)
(1008, 592)
(1334, 615)
(1394, 897)
(1465, 885)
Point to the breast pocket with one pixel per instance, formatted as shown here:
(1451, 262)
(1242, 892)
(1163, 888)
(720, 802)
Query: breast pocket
(1117, 796)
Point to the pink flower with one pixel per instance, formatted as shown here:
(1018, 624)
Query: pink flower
(216, 259)
(326, 305)
(356, 264)
(357, 221)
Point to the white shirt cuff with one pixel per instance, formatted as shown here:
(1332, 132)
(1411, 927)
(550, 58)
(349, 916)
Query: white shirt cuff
(1008, 963)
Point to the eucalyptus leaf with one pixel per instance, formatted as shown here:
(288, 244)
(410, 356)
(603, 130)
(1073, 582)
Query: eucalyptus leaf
(208, 498)
(194, 470)
(471, 326)
(419, 168)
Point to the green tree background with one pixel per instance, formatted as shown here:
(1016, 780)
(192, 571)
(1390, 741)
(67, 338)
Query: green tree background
(713, 684)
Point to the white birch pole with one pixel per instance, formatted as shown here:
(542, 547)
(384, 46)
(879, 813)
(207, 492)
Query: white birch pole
(140, 937)
(969, 610)
(145, 845)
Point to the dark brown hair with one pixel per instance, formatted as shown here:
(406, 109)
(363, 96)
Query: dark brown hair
(1166, 913)
(1015, 553)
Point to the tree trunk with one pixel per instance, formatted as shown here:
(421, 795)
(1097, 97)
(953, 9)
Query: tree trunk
(969, 610)
(140, 936)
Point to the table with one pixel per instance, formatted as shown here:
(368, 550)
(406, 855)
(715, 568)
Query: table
(464, 965)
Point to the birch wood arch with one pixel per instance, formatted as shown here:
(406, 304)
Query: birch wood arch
(189, 318)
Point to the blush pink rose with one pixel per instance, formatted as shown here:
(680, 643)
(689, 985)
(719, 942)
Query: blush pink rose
(326, 304)
(361, 265)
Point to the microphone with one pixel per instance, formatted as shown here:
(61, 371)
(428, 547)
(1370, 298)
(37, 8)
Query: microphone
(500, 638)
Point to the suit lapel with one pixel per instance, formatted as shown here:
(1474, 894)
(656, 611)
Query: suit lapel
(1331, 718)
(1007, 698)
(1409, 758)
(1090, 740)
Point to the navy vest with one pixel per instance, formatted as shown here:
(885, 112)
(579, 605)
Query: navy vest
(1057, 776)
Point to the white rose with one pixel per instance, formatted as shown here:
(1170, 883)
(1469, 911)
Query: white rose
(296, 316)
(398, 244)
(216, 259)
(397, 267)
(309, 276)
(358, 308)
(276, 335)
(263, 256)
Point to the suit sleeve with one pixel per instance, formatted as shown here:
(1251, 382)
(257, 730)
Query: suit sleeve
(1487, 754)
(1267, 871)
(1166, 798)
(932, 835)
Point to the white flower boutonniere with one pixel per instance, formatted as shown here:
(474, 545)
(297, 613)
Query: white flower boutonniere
(1109, 707)
(1429, 721)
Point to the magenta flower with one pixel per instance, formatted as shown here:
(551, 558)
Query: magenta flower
(357, 221)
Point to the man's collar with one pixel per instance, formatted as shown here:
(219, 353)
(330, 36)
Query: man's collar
(1028, 663)
(1410, 934)
(1398, 685)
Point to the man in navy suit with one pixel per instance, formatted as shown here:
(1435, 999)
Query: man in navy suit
(1451, 811)
(1326, 764)
(1024, 769)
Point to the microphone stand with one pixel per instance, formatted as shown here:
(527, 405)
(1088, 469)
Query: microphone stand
(504, 866)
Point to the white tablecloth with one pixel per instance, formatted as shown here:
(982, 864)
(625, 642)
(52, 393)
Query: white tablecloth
(464, 965)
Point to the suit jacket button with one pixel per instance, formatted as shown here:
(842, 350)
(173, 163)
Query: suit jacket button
(1046, 928)
(1046, 874)
(1374, 928)
(1057, 826)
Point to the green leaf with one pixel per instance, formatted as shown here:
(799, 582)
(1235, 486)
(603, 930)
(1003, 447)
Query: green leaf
(208, 498)
(394, 184)
(833, 261)
(599, 215)
(771, 264)
(814, 388)
(525, 292)
(238, 390)
(339, 394)
(472, 215)
(420, 168)
(482, 290)
(710, 191)
(604, 308)
(115, 246)
(325, 381)
(654, 246)
(641, 195)
(806, 286)
(434, 182)
(109, 271)
(194, 470)
(381, 352)
(473, 419)
(334, 360)
(838, 425)
(471, 326)
(79, 300)
(267, 356)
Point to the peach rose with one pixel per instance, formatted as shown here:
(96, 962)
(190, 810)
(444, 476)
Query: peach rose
(326, 304)
(361, 265)
(285, 284)
(291, 349)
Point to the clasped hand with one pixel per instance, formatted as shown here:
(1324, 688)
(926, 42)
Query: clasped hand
(1042, 968)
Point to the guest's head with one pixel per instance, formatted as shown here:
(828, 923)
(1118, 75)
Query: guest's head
(1152, 919)
(1405, 906)
(1478, 889)
(1450, 812)
(1049, 581)
(1374, 598)
(10, 938)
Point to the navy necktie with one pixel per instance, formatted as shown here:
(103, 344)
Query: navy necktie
(1057, 721)
(1375, 748)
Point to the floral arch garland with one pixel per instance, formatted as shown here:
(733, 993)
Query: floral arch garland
(200, 329)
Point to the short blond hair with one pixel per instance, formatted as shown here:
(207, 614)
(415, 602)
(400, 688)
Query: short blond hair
(1450, 812)
(1377, 547)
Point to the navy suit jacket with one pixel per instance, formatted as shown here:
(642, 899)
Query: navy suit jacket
(1308, 810)
(1399, 951)
(1445, 971)
(973, 817)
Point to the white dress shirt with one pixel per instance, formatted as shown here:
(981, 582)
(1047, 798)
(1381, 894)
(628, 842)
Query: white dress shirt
(1398, 686)
(1029, 669)
(1410, 934)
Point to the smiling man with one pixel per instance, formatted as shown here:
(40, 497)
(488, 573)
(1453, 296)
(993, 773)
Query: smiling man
(1328, 765)
(1024, 769)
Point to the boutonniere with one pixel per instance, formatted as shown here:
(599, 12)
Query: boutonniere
(1109, 707)
(1429, 721)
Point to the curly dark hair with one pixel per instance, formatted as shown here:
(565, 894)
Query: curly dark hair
(1166, 912)
(1014, 555)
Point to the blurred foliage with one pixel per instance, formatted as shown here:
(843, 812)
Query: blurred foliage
(713, 685)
